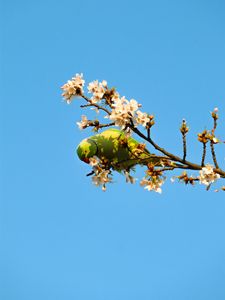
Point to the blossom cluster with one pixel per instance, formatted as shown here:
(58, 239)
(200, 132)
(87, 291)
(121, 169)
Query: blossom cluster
(153, 179)
(97, 89)
(101, 175)
(123, 111)
(83, 123)
(73, 87)
(152, 184)
(207, 175)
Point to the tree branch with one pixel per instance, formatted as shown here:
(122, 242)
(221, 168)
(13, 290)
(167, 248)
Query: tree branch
(190, 165)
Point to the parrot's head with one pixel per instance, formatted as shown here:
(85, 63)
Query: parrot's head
(86, 149)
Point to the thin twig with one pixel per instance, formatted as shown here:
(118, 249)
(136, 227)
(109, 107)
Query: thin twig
(214, 154)
(91, 173)
(203, 154)
(97, 125)
(106, 125)
(93, 104)
(148, 133)
(184, 146)
(184, 130)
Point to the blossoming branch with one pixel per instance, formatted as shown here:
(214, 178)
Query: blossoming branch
(116, 149)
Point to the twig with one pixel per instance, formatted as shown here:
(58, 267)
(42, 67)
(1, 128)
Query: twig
(148, 133)
(91, 173)
(213, 154)
(184, 147)
(184, 130)
(97, 125)
(203, 154)
(94, 104)
(215, 117)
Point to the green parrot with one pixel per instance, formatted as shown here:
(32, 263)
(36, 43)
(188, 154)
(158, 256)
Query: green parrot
(119, 151)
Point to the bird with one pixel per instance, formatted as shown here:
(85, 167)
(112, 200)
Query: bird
(117, 150)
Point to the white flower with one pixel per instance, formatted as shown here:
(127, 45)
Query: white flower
(133, 106)
(97, 89)
(172, 179)
(73, 88)
(104, 187)
(215, 140)
(83, 123)
(116, 97)
(101, 178)
(129, 178)
(123, 110)
(152, 185)
(94, 161)
(128, 133)
(142, 118)
(104, 83)
(120, 119)
(207, 175)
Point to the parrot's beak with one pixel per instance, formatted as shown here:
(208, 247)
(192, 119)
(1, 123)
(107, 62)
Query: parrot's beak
(86, 160)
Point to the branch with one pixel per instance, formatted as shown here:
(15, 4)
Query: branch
(191, 165)
(94, 105)
(184, 130)
(203, 154)
(213, 154)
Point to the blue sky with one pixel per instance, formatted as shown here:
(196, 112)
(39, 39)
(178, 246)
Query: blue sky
(62, 238)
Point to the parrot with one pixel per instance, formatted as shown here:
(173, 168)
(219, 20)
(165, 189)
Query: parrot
(118, 150)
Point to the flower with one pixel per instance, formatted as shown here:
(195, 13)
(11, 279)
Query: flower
(101, 178)
(153, 184)
(215, 140)
(104, 83)
(120, 119)
(123, 110)
(94, 161)
(129, 178)
(132, 106)
(104, 187)
(83, 123)
(207, 175)
(97, 89)
(173, 178)
(142, 118)
(73, 88)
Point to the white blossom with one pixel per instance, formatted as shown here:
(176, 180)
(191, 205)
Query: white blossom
(94, 161)
(104, 83)
(101, 178)
(83, 123)
(116, 96)
(152, 185)
(215, 140)
(207, 175)
(73, 88)
(173, 179)
(142, 118)
(123, 110)
(97, 89)
(133, 106)
(104, 187)
(129, 178)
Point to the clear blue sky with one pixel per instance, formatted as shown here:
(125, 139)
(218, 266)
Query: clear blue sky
(62, 238)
